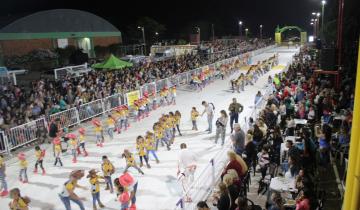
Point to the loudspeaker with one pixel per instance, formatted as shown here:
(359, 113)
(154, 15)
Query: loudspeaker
(327, 59)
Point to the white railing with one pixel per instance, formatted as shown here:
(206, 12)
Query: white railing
(27, 133)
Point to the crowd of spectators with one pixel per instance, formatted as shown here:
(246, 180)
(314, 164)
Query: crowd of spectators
(21, 104)
(319, 118)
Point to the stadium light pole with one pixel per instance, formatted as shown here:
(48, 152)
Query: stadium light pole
(323, 2)
(143, 36)
(240, 28)
(246, 32)
(261, 27)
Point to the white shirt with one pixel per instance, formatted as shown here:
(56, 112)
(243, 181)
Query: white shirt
(186, 158)
(209, 110)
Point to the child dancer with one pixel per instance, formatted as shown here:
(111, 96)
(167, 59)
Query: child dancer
(194, 115)
(177, 121)
(118, 119)
(153, 99)
(82, 142)
(18, 202)
(140, 147)
(40, 154)
(57, 150)
(173, 95)
(95, 188)
(3, 177)
(108, 170)
(123, 195)
(98, 132)
(130, 161)
(150, 145)
(23, 168)
(111, 126)
(125, 117)
(172, 124)
(73, 145)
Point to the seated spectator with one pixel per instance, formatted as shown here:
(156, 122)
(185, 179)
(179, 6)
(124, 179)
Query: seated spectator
(304, 203)
(232, 188)
(201, 205)
(242, 204)
(276, 203)
(236, 163)
(224, 201)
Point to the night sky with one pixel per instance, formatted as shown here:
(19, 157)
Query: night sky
(178, 15)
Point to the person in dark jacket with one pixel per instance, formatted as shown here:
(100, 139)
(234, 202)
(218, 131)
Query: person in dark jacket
(233, 189)
(224, 201)
(235, 109)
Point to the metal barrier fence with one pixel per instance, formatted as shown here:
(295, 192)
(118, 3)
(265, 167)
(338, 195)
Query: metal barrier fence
(4, 148)
(90, 110)
(29, 132)
(26, 133)
(67, 118)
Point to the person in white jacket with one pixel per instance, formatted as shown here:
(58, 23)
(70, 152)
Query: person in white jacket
(186, 169)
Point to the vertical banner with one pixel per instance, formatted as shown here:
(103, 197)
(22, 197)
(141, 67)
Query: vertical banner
(132, 96)
(303, 37)
(278, 38)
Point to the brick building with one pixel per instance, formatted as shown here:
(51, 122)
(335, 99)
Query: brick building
(57, 29)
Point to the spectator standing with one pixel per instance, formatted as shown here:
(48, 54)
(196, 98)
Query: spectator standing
(209, 110)
(235, 109)
(238, 139)
(221, 127)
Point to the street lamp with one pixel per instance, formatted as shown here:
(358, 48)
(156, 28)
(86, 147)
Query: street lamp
(323, 2)
(143, 35)
(261, 26)
(246, 32)
(240, 28)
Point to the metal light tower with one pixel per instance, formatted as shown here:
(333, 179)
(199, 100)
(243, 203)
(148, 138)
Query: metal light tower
(323, 2)
(240, 28)
(261, 27)
(143, 35)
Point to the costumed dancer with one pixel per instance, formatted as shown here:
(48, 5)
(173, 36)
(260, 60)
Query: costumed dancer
(99, 133)
(82, 142)
(23, 168)
(177, 118)
(146, 104)
(39, 154)
(130, 184)
(140, 147)
(18, 202)
(57, 151)
(194, 116)
(67, 193)
(153, 100)
(159, 135)
(95, 188)
(108, 170)
(111, 126)
(73, 145)
(150, 145)
(173, 95)
(130, 161)
(172, 124)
